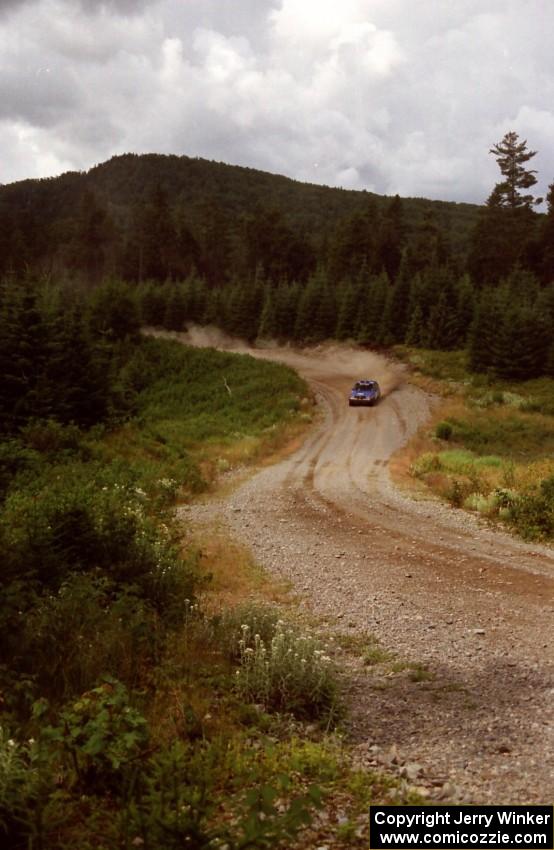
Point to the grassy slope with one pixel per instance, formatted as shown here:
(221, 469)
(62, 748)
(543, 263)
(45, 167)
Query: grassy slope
(200, 412)
(490, 445)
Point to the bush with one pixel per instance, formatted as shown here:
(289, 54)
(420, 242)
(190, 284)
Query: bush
(88, 629)
(504, 498)
(479, 502)
(292, 673)
(51, 438)
(457, 493)
(31, 804)
(16, 459)
(101, 734)
(174, 804)
(230, 632)
(79, 521)
(443, 430)
(532, 513)
(15, 787)
(428, 462)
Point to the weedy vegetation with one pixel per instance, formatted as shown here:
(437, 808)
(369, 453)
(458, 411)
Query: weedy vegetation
(141, 703)
(492, 449)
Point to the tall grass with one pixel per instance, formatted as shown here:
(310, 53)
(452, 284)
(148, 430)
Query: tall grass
(500, 438)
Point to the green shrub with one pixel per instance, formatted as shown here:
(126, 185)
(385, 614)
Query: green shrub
(174, 804)
(491, 461)
(101, 734)
(88, 629)
(16, 461)
(80, 521)
(532, 514)
(428, 462)
(443, 430)
(504, 498)
(31, 804)
(16, 787)
(51, 438)
(457, 493)
(479, 502)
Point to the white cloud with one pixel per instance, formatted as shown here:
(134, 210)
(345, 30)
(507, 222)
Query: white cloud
(377, 94)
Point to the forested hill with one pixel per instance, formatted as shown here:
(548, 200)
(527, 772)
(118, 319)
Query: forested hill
(220, 219)
(265, 256)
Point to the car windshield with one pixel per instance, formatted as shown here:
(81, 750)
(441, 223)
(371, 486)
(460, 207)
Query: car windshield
(364, 385)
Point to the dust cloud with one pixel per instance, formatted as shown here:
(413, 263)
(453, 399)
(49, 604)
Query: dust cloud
(341, 363)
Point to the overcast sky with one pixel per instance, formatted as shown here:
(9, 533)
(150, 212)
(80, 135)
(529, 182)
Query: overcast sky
(391, 96)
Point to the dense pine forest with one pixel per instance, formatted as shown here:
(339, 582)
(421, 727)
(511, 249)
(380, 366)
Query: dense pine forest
(263, 256)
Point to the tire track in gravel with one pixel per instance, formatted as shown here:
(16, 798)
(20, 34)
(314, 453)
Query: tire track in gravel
(472, 605)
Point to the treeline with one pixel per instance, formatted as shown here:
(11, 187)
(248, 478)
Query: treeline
(506, 329)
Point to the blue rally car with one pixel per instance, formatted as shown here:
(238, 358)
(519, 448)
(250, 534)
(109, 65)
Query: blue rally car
(364, 392)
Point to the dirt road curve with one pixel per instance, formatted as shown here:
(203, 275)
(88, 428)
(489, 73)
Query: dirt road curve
(473, 606)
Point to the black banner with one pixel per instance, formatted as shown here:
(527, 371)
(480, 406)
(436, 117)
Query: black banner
(493, 827)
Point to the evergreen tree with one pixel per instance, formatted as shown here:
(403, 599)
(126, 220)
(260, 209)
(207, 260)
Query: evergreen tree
(493, 249)
(395, 317)
(50, 367)
(77, 389)
(442, 323)
(112, 312)
(93, 238)
(308, 305)
(390, 239)
(547, 240)
(215, 243)
(353, 245)
(428, 247)
(504, 235)
(272, 245)
(207, 306)
(22, 352)
(268, 318)
(485, 331)
(287, 298)
(325, 318)
(416, 335)
(348, 299)
(523, 345)
(153, 304)
(465, 310)
(196, 295)
(511, 156)
(175, 308)
(186, 256)
(244, 309)
(370, 318)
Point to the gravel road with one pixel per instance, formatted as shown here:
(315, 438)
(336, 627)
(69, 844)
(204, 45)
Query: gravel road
(469, 608)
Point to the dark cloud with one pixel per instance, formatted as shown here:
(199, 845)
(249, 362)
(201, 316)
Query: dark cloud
(8, 5)
(128, 7)
(376, 94)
